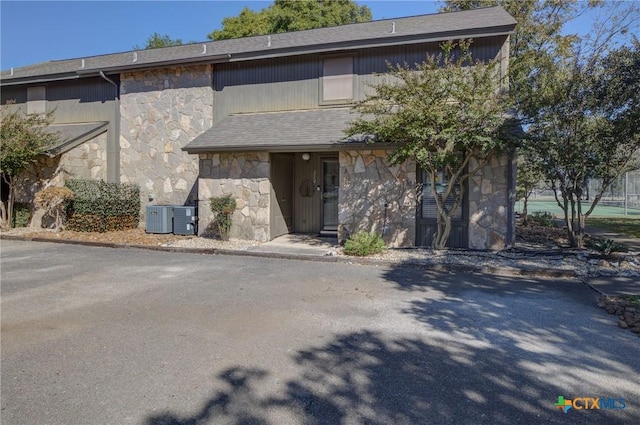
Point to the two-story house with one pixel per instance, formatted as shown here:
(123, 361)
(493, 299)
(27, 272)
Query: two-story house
(262, 119)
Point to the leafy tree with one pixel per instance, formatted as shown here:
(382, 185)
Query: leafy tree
(156, 41)
(446, 114)
(290, 15)
(528, 178)
(23, 139)
(587, 128)
(577, 131)
(536, 43)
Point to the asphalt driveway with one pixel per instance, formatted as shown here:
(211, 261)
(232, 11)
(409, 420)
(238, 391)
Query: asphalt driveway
(123, 336)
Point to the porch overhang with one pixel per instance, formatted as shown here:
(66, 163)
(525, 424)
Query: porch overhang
(309, 130)
(73, 134)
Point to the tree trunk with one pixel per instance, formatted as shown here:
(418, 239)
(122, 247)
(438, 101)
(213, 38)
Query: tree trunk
(11, 201)
(3, 216)
(442, 233)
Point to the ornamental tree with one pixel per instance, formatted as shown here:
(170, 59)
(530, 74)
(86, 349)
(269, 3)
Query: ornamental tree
(23, 138)
(587, 127)
(448, 114)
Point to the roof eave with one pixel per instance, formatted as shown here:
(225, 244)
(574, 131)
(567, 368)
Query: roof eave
(72, 143)
(324, 147)
(37, 79)
(134, 67)
(372, 43)
(502, 30)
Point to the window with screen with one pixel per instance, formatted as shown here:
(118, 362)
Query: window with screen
(337, 79)
(429, 207)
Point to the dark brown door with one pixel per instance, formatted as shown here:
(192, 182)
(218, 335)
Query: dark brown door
(282, 199)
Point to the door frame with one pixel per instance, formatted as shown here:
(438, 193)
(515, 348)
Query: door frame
(328, 157)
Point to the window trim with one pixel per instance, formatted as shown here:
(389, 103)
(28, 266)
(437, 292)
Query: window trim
(354, 94)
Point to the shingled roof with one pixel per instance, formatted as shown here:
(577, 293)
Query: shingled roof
(424, 28)
(320, 129)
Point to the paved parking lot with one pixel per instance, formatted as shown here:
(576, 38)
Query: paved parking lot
(122, 336)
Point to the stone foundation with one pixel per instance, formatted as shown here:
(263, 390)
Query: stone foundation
(368, 182)
(244, 176)
(161, 111)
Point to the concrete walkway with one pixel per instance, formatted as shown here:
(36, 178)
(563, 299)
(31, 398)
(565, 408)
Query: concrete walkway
(299, 244)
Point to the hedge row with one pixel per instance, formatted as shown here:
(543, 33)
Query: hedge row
(99, 206)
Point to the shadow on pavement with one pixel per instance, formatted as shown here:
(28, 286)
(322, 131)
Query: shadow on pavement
(495, 350)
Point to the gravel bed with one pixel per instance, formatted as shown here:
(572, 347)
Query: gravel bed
(527, 255)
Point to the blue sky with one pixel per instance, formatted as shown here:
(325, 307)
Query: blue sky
(38, 31)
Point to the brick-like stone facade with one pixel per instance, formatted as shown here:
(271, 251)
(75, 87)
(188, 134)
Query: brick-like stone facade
(161, 111)
(491, 198)
(87, 161)
(368, 182)
(244, 176)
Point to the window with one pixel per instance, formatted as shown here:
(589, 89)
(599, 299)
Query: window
(36, 100)
(429, 207)
(337, 80)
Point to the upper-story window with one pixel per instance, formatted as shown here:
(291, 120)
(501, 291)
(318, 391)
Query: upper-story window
(337, 80)
(36, 100)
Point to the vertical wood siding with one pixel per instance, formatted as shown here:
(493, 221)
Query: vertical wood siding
(90, 99)
(292, 83)
(83, 100)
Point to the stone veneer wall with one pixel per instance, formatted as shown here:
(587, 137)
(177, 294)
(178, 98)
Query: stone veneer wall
(491, 204)
(161, 111)
(87, 161)
(244, 176)
(367, 182)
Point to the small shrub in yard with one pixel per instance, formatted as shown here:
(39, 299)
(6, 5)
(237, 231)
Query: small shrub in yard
(363, 244)
(541, 218)
(223, 208)
(606, 247)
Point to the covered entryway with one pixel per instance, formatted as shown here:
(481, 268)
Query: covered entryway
(305, 193)
(282, 168)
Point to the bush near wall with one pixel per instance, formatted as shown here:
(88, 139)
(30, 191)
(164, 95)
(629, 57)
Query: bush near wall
(98, 206)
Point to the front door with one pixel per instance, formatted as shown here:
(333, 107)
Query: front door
(282, 194)
(330, 190)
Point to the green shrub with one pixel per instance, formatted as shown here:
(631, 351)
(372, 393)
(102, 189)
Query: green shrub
(541, 218)
(21, 214)
(223, 208)
(362, 244)
(606, 247)
(98, 206)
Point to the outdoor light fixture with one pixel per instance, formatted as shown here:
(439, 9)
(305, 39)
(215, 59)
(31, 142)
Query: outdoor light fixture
(306, 156)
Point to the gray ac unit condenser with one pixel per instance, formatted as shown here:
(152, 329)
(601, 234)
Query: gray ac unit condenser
(159, 219)
(184, 220)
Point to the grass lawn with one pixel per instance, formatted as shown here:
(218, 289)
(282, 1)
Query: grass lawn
(605, 217)
(600, 210)
(628, 226)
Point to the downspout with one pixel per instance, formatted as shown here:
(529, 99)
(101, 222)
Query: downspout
(113, 154)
